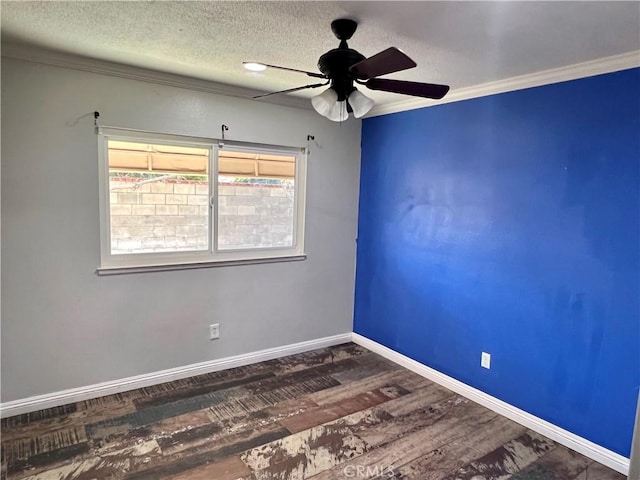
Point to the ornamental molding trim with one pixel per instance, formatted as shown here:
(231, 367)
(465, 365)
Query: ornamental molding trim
(591, 68)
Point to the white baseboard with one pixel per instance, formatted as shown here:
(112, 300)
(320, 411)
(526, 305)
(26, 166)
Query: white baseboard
(55, 399)
(564, 437)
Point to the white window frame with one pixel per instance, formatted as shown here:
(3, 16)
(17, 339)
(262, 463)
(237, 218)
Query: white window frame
(140, 262)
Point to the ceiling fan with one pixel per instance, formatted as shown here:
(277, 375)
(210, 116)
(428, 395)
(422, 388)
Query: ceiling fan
(343, 67)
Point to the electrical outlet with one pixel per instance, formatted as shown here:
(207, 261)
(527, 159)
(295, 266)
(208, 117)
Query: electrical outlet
(214, 331)
(485, 360)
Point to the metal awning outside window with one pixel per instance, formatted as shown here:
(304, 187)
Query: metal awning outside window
(151, 158)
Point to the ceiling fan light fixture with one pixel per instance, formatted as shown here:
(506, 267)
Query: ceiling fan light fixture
(254, 67)
(360, 103)
(325, 102)
(338, 112)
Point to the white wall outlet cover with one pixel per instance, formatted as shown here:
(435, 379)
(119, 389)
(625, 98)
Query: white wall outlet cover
(214, 331)
(486, 360)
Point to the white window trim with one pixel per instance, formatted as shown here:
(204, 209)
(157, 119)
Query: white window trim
(141, 262)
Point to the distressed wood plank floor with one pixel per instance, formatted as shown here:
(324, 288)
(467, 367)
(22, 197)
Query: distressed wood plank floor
(335, 413)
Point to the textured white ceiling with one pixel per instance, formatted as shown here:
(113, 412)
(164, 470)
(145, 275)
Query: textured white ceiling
(461, 44)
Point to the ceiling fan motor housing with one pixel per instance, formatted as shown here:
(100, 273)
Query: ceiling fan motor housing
(335, 65)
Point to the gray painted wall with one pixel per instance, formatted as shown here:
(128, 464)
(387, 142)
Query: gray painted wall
(65, 327)
(634, 467)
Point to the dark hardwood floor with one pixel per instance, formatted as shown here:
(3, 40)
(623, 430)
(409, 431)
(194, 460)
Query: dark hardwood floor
(335, 413)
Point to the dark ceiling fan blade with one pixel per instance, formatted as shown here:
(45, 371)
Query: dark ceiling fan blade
(388, 61)
(310, 74)
(417, 89)
(289, 90)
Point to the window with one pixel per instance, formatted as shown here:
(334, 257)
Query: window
(178, 201)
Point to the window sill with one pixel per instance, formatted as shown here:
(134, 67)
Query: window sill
(104, 271)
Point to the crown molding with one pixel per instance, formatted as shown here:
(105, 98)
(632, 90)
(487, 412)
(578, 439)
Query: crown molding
(545, 77)
(66, 60)
(571, 72)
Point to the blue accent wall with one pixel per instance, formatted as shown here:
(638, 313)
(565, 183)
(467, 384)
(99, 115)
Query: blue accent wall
(510, 224)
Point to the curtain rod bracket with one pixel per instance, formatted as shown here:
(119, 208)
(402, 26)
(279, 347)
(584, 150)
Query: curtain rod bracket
(223, 128)
(311, 138)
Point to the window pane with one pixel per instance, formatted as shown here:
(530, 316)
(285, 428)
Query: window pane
(256, 195)
(159, 198)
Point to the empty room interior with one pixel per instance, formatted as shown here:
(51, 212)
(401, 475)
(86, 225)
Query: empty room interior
(320, 240)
